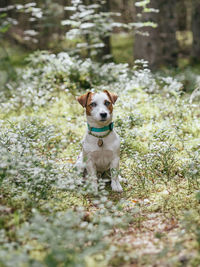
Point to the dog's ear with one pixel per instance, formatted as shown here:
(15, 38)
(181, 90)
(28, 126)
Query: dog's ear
(83, 99)
(112, 96)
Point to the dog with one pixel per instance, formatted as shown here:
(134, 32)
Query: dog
(101, 144)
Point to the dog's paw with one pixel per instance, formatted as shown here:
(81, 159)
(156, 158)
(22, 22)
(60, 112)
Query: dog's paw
(123, 180)
(116, 186)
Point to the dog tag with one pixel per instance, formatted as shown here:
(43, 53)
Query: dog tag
(100, 142)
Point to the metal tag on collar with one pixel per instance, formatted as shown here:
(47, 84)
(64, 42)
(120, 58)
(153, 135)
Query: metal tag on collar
(100, 142)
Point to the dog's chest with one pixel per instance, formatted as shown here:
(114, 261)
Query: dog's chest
(103, 155)
(102, 159)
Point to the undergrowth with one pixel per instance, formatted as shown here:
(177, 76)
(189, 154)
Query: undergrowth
(50, 216)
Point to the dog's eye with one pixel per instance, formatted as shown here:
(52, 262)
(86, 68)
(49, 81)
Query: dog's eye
(107, 103)
(93, 104)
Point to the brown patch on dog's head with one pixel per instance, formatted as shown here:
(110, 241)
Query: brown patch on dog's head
(112, 96)
(109, 106)
(85, 101)
(88, 105)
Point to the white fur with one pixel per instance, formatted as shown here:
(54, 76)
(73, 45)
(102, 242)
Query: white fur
(98, 159)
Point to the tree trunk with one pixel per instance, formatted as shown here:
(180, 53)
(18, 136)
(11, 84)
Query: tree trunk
(160, 47)
(196, 32)
(106, 40)
(181, 10)
(4, 3)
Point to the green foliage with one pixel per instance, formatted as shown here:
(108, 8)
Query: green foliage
(69, 238)
(4, 23)
(29, 173)
(188, 76)
(7, 22)
(91, 24)
(143, 4)
(26, 164)
(50, 214)
(49, 74)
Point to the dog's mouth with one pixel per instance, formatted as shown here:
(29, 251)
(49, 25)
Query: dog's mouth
(103, 120)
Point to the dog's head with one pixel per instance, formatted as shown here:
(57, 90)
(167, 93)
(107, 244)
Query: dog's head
(99, 106)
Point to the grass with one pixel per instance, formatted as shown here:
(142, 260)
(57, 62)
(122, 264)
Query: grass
(156, 218)
(156, 136)
(11, 57)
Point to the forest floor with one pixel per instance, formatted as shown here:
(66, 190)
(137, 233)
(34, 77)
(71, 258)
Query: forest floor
(49, 219)
(159, 137)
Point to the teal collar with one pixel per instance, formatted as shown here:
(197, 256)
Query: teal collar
(103, 129)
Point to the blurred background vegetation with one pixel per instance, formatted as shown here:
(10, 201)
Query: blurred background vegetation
(126, 28)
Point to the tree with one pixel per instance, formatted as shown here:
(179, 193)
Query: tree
(106, 40)
(91, 27)
(181, 10)
(160, 47)
(195, 53)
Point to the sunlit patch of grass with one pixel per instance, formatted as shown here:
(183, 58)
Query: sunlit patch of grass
(62, 201)
(122, 47)
(11, 58)
(184, 38)
(15, 53)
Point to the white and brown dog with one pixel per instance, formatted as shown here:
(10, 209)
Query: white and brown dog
(101, 144)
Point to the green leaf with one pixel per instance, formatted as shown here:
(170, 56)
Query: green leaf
(3, 15)
(4, 28)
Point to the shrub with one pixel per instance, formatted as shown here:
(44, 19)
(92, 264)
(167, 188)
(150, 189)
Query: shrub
(48, 74)
(25, 162)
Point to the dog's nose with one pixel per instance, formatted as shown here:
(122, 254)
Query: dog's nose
(103, 115)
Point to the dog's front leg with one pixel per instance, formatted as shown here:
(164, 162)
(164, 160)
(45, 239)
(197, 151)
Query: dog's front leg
(114, 168)
(92, 173)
